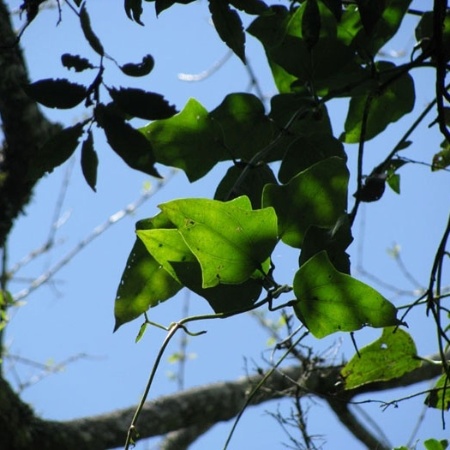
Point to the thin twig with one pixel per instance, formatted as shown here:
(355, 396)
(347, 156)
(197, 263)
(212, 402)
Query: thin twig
(98, 231)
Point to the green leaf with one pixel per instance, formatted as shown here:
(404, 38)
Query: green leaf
(223, 298)
(310, 118)
(139, 103)
(56, 93)
(130, 144)
(168, 247)
(190, 140)
(434, 444)
(144, 284)
(76, 62)
(439, 396)
(370, 12)
(441, 160)
(89, 34)
(133, 9)
(251, 186)
(305, 151)
(316, 196)
(243, 124)
(311, 23)
(391, 356)
(89, 161)
(333, 240)
(142, 330)
(379, 28)
(330, 301)
(228, 26)
(57, 150)
(229, 242)
(140, 69)
(387, 106)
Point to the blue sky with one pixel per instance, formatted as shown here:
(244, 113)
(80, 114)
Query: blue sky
(75, 314)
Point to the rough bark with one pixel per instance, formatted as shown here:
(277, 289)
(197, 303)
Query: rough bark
(25, 129)
(22, 430)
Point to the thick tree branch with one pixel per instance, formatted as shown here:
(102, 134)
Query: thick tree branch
(207, 404)
(25, 129)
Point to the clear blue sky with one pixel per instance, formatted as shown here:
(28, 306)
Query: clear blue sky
(74, 314)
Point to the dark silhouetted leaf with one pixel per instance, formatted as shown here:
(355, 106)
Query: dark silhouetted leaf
(386, 107)
(330, 301)
(372, 188)
(370, 13)
(311, 23)
(439, 396)
(305, 151)
(139, 103)
(161, 5)
(89, 161)
(244, 125)
(133, 8)
(75, 62)
(57, 150)
(89, 34)
(441, 160)
(250, 6)
(229, 26)
(139, 70)
(56, 93)
(252, 185)
(316, 196)
(333, 240)
(130, 144)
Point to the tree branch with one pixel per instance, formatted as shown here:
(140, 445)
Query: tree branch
(207, 404)
(25, 129)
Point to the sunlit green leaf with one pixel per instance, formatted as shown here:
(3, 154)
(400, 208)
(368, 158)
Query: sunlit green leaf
(439, 396)
(391, 356)
(380, 23)
(144, 284)
(190, 140)
(385, 107)
(330, 301)
(229, 242)
(56, 93)
(316, 196)
(228, 26)
(434, 444)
